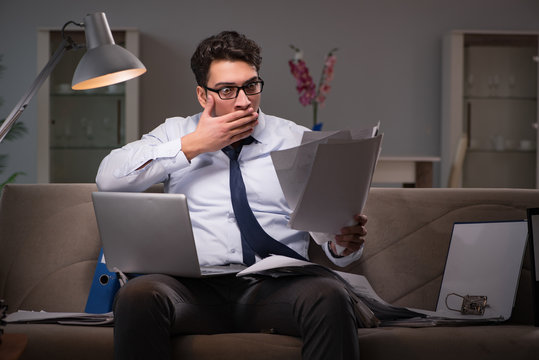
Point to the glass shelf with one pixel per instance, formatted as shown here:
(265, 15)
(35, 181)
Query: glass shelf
(521, 98)
(506, 151)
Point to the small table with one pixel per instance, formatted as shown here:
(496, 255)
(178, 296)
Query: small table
(12, 346)
(405, 170)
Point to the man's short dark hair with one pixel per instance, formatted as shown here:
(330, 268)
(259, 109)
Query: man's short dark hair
(227, 45)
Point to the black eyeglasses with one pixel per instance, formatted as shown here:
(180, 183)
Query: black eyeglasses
(232, 92)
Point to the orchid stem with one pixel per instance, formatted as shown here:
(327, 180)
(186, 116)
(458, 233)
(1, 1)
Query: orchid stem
(315, 112)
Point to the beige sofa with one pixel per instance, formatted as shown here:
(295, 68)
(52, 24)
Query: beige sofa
(49, 245)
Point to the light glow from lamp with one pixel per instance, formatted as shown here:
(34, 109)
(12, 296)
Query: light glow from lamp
(104, 62)
(108, 79)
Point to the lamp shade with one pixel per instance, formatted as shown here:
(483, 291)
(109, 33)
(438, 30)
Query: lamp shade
(104, 62)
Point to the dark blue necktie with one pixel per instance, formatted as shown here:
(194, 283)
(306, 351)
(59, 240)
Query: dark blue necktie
(253, 238)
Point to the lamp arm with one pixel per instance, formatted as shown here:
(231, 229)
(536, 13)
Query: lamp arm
(66, 44)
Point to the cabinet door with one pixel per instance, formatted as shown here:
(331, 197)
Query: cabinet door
(500, 112)
(489, 103)
(84, 128)
(77, 129)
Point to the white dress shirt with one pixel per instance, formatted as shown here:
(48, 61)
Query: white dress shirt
(205, 182)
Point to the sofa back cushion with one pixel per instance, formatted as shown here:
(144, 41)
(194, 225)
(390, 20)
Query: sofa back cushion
(49, 246)
(408, 239)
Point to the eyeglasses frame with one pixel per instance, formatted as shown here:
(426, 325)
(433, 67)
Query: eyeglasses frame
(238, 88)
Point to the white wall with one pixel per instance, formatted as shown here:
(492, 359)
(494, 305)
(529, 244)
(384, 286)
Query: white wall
(388, 66)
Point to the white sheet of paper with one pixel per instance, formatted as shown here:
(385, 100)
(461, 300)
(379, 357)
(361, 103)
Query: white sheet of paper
(338, 185)
(273, 262)
(326, 179)
(294, 165)
(361, 285)
(23, 316)
(317, 136)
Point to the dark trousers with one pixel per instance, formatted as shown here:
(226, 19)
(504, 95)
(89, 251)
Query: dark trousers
(152, 308)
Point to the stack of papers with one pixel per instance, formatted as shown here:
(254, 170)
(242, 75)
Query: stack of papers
(64, 318)
(327, 178)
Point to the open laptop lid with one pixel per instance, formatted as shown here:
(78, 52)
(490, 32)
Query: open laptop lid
(484, 259)
(533, 238)
(146, 233)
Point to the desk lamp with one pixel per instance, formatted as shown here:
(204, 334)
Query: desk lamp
(103, 64)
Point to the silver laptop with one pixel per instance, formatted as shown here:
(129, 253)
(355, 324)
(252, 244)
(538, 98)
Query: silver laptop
(150, 233)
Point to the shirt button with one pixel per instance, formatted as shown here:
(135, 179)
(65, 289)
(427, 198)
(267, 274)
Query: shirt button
(233, 251)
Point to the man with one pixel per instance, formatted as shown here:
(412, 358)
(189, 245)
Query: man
(185, 154)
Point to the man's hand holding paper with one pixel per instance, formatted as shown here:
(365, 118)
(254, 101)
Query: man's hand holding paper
(351, 238)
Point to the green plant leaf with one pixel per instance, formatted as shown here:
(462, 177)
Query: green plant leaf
(17, 130)
(11, 178)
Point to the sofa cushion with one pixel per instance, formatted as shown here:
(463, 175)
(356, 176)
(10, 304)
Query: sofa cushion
(47, 341)
(50, 341)
(450, 343)
(50, 245)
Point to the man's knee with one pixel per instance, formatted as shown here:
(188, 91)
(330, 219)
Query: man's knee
(142, 295)
(326, 298)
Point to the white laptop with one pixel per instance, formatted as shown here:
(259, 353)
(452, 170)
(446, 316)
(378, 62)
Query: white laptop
(150, 233)
(484, 259)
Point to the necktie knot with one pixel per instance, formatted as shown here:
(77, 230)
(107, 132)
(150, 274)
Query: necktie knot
(233, 152)
(248, 140)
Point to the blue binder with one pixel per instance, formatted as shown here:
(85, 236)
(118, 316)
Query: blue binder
(104, 287)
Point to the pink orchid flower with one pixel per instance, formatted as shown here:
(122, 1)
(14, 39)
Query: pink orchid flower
(308, 94)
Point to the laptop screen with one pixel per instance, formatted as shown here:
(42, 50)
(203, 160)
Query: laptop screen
(533, 238)
(484, 259)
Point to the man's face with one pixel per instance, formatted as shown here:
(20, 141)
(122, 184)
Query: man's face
(225, 73)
